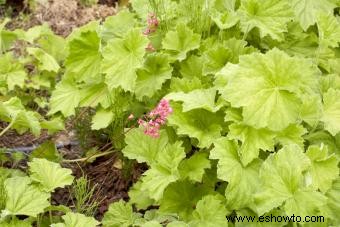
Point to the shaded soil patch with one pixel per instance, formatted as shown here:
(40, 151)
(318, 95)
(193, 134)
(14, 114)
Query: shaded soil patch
(112, 182)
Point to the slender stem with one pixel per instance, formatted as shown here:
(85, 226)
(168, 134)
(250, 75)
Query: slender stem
(7, 128)
(87, 158)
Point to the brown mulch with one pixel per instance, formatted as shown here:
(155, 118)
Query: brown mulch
(64, 15)
(113, 182)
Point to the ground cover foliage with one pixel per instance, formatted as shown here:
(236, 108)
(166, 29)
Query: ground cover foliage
(252, 94)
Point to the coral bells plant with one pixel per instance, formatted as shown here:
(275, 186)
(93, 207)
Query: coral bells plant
(157, 117)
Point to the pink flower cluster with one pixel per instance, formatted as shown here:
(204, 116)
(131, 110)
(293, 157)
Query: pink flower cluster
(152, 27)
(156, 118)
(152, 24)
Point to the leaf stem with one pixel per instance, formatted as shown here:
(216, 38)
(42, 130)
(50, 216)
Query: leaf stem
(87, 158)
(7, 128)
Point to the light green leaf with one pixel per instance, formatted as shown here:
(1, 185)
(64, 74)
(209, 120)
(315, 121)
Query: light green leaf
(142, 147)
(215, 59)
(210, 212)
(65, 98)
(53, 125)
(199, 123)
(139, 198)
(242, 180)
(163, 171)
(311, 109)
(20, 119)
(23, 198)
(306, 10)
(120, 214)
(152, 75)
(94, 94)
(291, 135)
(77, 220)
(102, 119)
(331, 111)
(192, 67)
(48, 151)
(49, 175)
(181, 41)
(284, 182)
(185, 84)
(333, 201)
(16, 223)
(84, 57)
(117, 25)
(194, 167)
(268, 87)
(7, 38)
(46, 61)
(324, 167)
(12, 72)
(224, 19)
(252, 141)
(329, 30)
(269, 16)
(54, 45)
(122, 57)
(181, 198)
(196, 99)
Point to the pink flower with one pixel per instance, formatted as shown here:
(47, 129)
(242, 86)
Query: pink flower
(150, 48)
(131, 116)
(156, 118)
(152, 24)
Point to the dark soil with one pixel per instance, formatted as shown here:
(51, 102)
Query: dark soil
(113, 181)
(62, 15)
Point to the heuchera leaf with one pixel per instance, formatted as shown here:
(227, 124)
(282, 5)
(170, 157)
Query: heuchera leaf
(252, 141)
(120, 214)
(12, 72)
(210, 212)
(333, 202)
(163, 171)
(181, 41)
(329, 30)
(118, 25)
(49, 175)
(122, 57)
(144, 148)
(284, 182)
(46, 61)
(65, 98)
(196, 99)
(102, 119)
(194, 167)
(331, 111)
(269, 16)
(268, 87)
(324, 167)
(77, 220)
(242, 180)
(14, 112)
(215, 59)
(24, 198)
(84, 57)
(306, 10)
(201, 124)
(152, 75)
(181, 198)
